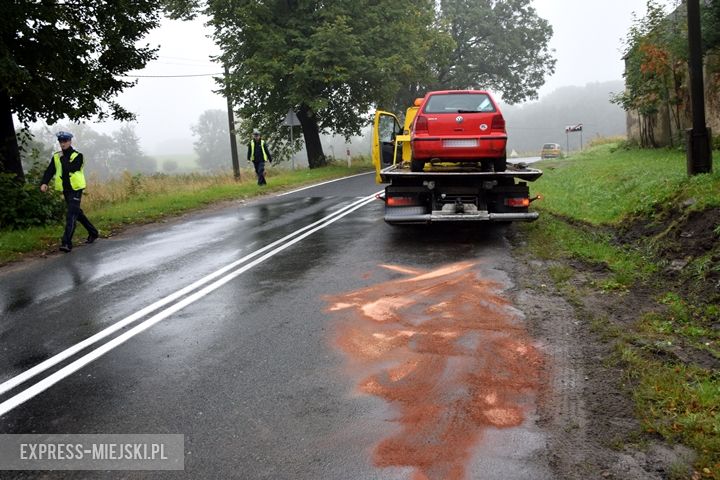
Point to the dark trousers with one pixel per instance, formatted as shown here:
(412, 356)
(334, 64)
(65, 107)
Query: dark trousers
(75, 214)
(260, 172)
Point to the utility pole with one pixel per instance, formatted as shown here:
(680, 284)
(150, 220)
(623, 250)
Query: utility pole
(699, 153)
(231, 128)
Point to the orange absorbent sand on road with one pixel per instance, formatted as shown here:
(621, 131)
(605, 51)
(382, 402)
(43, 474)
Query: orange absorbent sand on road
(451, 356)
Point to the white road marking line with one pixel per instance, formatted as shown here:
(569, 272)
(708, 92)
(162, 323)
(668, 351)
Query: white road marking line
(323, 183)
(54, 360)
(71, 368)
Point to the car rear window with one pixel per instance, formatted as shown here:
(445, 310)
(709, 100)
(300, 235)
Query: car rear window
(550, 146)
(459, 103)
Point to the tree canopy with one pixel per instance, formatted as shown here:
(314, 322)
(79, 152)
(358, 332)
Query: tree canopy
(66, 60)
(333, 62)
(655, 55)
(106, 155)
(711, 24)
(500, 45)
(212, 145)
(330, 62)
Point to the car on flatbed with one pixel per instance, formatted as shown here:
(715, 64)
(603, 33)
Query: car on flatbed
(455, 182)
(462, 126)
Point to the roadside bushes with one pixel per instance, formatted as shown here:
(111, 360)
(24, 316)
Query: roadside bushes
(23, 205)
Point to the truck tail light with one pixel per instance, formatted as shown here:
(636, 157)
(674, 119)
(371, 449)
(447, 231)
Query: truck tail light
(517, 202)
(421, 124)
(498, 123)
(402, 201)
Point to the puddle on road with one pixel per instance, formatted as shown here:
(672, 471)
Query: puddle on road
(451, 356)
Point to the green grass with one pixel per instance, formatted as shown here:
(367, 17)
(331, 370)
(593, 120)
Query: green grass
(681, 402)
(694, 324)
(138, 199)
(553, 238)
(586, 199)
(606, 184)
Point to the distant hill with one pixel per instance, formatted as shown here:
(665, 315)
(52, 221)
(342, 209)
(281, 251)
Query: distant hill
(531, 124)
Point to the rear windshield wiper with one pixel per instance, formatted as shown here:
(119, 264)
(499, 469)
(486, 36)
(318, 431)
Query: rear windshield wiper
(469, 111)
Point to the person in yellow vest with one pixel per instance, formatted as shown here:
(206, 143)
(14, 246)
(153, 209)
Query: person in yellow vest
(67, 168)
(258, 153)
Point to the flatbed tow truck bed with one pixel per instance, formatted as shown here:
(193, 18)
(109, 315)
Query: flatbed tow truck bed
(456, 193)
(401, 171)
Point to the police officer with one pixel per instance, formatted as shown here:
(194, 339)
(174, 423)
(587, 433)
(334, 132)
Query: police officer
(67, 168)
(258, 153)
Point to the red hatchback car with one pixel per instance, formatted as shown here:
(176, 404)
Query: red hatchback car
(459, 126)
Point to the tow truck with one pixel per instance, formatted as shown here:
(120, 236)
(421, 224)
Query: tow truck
(443, 191)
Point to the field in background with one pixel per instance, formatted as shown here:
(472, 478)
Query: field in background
(178, 163)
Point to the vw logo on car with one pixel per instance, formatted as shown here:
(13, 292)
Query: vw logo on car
(459, 119)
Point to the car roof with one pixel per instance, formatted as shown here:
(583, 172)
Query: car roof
(444, 92)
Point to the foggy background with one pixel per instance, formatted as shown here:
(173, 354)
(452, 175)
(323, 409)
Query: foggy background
(176, 107)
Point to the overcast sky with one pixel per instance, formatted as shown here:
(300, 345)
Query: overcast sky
(587, 41)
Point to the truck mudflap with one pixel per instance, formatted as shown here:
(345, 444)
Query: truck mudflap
(392, 217)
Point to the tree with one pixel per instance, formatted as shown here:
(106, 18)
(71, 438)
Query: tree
(213, 144)
(499, 45)
(655, 66)
(710, 24)
(105, 154)
(170, 166)
(127, 154)
(66, 60)
(329, 61)
(34, 152)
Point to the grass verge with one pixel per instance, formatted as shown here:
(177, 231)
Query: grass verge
(616, 222)
(138, 199)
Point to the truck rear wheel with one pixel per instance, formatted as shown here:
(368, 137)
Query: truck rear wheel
(417, 165)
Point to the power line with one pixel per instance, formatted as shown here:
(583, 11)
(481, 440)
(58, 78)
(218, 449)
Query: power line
(172, 76)
(186, 58)
(193, 65)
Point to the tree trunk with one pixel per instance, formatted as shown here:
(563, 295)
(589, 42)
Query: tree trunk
(668, 119)
(651, 123)
(311, 133)
(641, 129)
(9, 152)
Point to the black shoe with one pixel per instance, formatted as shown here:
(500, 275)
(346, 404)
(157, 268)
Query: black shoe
(65, 248)
(90, 239)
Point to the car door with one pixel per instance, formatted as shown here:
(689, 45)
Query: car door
(386, 127)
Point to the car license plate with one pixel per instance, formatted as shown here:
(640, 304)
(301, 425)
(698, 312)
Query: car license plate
(454, 143)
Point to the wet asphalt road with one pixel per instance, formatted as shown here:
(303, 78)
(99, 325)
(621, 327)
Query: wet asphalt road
(249, 372)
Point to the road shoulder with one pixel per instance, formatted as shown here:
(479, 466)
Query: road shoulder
(587, 408)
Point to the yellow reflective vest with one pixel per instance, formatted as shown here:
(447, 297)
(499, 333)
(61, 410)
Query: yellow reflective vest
(262, 149)
(77, 179)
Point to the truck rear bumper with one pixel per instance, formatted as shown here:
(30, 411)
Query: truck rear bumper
(460, 217)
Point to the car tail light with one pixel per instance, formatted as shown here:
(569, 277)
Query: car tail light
(517, 202)
(421, 124)
(402, 201)
(498, 123)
